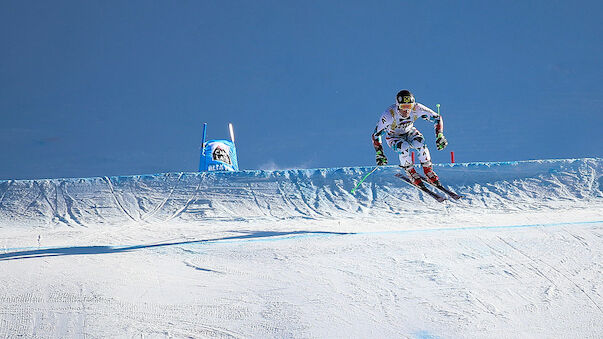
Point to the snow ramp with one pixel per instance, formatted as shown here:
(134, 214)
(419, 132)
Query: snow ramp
(502, 187)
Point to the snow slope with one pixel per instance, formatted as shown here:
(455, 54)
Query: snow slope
(294, 254)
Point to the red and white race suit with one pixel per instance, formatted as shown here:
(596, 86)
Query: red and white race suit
(401, 135)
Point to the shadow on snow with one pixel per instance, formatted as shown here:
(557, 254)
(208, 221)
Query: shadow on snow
(84, 250)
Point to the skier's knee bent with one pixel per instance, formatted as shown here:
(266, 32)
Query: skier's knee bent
(403, 150)
(423, 154)
(400, 146)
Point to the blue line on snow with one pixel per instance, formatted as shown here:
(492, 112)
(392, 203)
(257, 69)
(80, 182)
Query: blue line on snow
(323, 234)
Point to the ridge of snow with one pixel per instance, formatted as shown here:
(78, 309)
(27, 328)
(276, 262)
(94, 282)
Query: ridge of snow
(322, 193)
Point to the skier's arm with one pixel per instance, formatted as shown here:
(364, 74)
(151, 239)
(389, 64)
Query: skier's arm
(430, 115)
(376, 137)
(380, 157)
(380, 129)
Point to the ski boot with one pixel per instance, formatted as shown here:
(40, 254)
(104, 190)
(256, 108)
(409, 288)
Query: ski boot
(431, 175)
(414, 176)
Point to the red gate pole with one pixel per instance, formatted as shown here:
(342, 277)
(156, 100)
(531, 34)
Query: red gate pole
(452, 157)
(412, 155)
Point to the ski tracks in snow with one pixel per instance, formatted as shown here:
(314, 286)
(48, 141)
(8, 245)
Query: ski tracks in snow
(165, 200)
(8, 183)
(559, 272)
(117, 201)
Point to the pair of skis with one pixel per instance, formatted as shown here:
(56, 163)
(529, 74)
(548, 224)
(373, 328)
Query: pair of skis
(423, 187)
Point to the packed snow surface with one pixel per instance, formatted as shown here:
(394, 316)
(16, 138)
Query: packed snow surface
(294, 254)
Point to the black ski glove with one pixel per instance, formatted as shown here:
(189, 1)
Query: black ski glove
(441, 141)
(380, 158)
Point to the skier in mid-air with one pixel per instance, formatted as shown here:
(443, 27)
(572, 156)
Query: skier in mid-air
(397, 122)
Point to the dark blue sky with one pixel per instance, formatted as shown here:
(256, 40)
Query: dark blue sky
(90, 88)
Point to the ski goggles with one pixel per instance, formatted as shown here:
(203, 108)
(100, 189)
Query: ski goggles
(406, 106)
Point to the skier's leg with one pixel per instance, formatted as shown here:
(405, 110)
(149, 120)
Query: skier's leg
(430, 174)
(418, 142)
(402, 147)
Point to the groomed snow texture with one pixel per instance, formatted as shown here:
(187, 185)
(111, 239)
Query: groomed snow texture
(294, 254)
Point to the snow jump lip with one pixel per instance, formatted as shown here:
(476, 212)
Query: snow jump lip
(258, 236)
(478, 165)
(322, 193)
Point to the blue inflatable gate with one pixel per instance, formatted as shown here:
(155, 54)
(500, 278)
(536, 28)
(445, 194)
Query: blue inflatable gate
(218, 155)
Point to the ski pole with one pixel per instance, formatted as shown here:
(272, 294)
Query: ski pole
(361, 181)
(438, 106)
